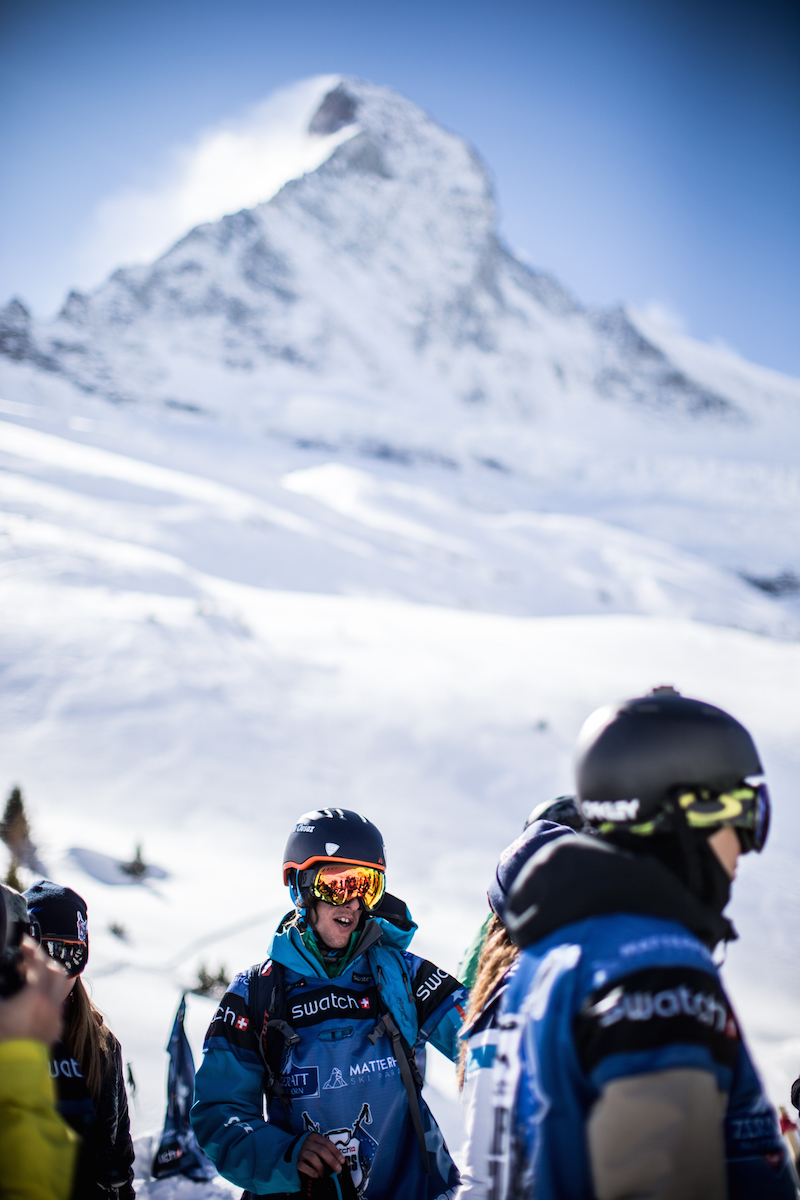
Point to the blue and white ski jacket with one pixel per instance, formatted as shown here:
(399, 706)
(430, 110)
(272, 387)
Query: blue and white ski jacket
(600, 1000)
(341, 1084)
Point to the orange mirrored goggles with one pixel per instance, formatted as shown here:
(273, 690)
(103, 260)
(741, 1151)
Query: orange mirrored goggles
(336, 883)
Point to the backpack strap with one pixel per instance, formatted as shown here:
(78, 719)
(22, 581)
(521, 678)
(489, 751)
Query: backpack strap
(267, 992)
(409, 1071)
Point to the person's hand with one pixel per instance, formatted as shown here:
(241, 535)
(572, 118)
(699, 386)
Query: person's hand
(35, 1011)
(318, 1156)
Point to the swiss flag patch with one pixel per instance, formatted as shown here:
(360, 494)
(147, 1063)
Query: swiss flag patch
(365, 1002)
(242, 1023)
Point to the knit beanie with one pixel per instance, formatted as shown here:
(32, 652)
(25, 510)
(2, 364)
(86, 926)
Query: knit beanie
(515, 856)
(58, 914)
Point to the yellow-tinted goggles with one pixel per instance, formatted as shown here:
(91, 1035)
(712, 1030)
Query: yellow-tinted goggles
(336, 883)
(747, 809)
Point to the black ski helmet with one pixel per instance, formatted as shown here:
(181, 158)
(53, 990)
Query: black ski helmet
(563, 810)
(631, 757)
(332, 835)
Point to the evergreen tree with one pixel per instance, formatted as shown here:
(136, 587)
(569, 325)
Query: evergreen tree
(137, 866)
(12, 879)
(15, 831)
(211, 985)
(14, 828)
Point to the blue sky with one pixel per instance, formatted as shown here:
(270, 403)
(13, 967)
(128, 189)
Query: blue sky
(645, 151)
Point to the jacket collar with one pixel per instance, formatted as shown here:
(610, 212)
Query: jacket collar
(572, 879)
(389, 925)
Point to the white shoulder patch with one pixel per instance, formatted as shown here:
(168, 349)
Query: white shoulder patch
(549, 971)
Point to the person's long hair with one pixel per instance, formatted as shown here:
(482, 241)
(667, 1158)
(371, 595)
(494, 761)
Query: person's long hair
(497, 955)
(88, 1038)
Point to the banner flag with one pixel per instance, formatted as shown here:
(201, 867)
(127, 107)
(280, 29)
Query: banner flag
(178, 1151)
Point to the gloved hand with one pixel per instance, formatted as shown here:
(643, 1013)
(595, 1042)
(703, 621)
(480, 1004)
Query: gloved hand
(331, 1187)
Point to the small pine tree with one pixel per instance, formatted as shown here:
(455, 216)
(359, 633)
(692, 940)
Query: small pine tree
(210, 985)
(14, 827)
(137, 866)
(12, 879)
(15, 831)
(204, 981)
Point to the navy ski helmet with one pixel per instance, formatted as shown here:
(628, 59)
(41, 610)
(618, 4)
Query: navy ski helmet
(331, 835)
(637, 760)
(563, 811)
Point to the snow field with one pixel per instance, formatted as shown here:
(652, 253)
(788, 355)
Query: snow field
(176, 672)
(444, 727)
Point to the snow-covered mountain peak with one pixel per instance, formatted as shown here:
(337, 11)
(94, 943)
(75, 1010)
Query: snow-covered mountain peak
(375, 284)
(367, 314)
(399, 213)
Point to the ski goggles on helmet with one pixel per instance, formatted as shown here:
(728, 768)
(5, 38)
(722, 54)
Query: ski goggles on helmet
(72, 955)
(747, 809)
(336, 883)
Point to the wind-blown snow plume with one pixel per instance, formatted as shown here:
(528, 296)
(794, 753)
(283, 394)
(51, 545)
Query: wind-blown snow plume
(233, 165)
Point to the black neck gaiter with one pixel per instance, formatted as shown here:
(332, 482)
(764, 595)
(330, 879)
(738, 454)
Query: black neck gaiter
(687, 855)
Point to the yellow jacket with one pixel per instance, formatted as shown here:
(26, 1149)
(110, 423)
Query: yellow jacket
(37, 1148)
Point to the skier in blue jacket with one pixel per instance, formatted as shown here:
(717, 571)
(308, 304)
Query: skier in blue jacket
(327, 1030)
(610, 1063)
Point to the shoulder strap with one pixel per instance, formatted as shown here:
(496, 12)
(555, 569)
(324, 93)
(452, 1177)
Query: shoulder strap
(409, 1072)
(267, 992)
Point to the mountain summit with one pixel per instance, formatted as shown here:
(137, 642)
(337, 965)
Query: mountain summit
(368, 346)
(375, 283)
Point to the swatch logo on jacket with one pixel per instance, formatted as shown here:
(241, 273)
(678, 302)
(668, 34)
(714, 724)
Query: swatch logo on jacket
(656, 1008)
(332, 1003)
(300, 1081)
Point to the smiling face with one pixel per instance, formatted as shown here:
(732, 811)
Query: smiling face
(334, 923)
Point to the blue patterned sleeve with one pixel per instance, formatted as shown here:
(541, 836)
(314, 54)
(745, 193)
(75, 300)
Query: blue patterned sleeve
(227, 1112)
(441, 1003)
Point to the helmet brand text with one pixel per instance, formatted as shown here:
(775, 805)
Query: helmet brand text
(610, 810)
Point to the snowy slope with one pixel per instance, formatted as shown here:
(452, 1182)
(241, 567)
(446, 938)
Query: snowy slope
(338, 503)
(338, 527)
(141, 718)
(160, 685)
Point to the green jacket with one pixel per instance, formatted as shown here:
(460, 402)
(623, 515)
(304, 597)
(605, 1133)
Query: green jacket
(37, 1148)
(468, 970)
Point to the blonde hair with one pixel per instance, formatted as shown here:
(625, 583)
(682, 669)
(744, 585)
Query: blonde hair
(88, 1038)
(497, 955)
